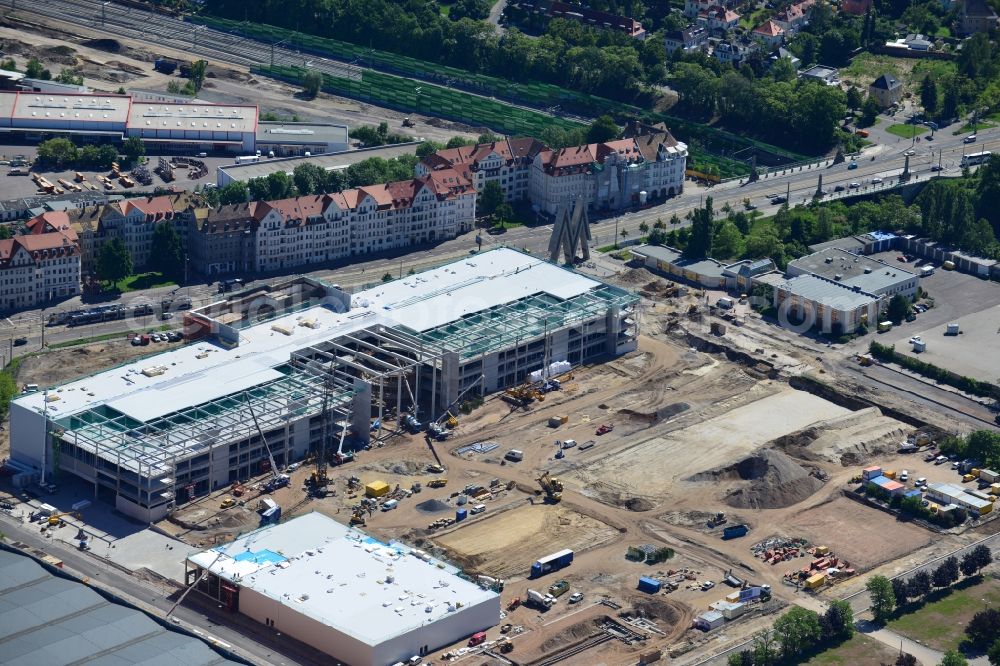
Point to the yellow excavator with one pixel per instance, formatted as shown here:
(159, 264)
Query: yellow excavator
(552, 487)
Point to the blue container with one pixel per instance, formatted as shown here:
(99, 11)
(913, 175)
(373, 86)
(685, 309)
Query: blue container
(461, 514)
(649, 585)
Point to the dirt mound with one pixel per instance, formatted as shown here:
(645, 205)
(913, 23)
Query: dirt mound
(401, 467)
(772, 480)
(639, 504)
(659, 610)
(433, 506)
(661, 414)
(635, 277)
(571, 635)
(109, 45)
(851, 439)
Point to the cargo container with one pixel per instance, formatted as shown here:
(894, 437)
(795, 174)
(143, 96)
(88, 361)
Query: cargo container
(552, 562)
(995, 489)
(649, 585)
(376, 489)
(869, 473)
(815, 581)
(989, 475)
(889, 474)
(735, 531)
(953, 329)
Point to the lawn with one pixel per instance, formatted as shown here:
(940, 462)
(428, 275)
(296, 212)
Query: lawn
(906, 131)
(859, 651)
(940, 624)
(143, 281)
(867, 67)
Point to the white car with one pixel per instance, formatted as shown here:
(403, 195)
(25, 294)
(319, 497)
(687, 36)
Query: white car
(910, 153)
(707, 585)
(575, 597)
(876, 181)
(922, 481)
(854, 186)
(969, 139)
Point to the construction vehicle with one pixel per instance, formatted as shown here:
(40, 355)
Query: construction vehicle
(717, 519)
(57, 519)
(435, 468)
(514, 604)
(551, 486)
(491, 583)
(523, 395)
(227, 502)
(238, 489)
(437, 483)
(604, 429)
(277, 480)
(408, 123)
(411, 424)
(505, 646)
(438, 431)
(540, 601)
(357, 519)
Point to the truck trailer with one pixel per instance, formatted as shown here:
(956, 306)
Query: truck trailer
(551, 563)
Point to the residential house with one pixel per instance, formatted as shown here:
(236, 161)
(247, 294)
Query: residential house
(665, 159)
(770, 34)
(506, 162)
(40, 266)
(782, 52)
(976, 16)
(222, 241)
(855, 7)
(718, 19)
(886, 90)
(692, 8)
(912, 42)
(691, 38)
(733, 52)
(795, 16)
(588, 17)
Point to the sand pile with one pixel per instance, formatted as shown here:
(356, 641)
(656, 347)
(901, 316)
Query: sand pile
(433, 506)
(768, 479)
(635, 277)
(850, 439)
(402, 467)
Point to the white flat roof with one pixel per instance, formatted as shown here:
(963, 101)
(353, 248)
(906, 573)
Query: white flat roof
(203, 370)
(431, 298)
(344, 578)
(63, 107)
(193, 117)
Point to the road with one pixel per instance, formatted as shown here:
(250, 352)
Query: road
(860, 603)
(496, 13)
(246, 639)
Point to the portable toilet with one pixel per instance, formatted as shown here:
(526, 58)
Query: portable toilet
(461, 514)
(376, 489)
(953, 329)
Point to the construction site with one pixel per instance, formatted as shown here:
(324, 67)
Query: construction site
(623, 502)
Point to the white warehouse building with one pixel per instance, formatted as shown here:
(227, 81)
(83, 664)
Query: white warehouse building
(362, 602)
(293, 357)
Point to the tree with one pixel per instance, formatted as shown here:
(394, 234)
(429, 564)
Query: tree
(728, 241)
(953, 658)
(428, 148)
(854, 98)
(796, 631)
(906, 659)
(984, 556)
(918, 585)
(764, 648)
(5, 232)
(311, 82)
(114, 261)
(840, 620)
(166, 252)
(309, 179)
(882, 599)
(133, 148)
(993, 654)
(34, 69)
(197, 78)
(459, 141)
(699, 244)
(387, 277)
(744, 658)
(69, 76)
(899, 588)
(946, 573)
(869, 112)
(490, 198)
(899, 307)
(984, 445)
(57, 152)
(984, 627)
(929, 95)
(643, 227)
(233, 193)
(969, 564)
(603, 129)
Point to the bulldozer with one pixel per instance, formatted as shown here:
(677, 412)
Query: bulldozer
(552, 487)
(357, 519)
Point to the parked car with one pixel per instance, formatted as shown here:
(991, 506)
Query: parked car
(20, 342)
(839, 188)
(576, 597)
(922, 481)
(876, 181)
(936, 167)
(940, 460)
(854, 186)
(970, 139)
(910, 152)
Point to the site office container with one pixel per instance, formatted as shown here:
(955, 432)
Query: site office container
(649, 585)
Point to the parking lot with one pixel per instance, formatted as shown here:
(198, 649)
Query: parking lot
(16, 187)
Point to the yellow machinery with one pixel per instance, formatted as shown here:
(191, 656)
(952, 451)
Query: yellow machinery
(357, 519)
(57, 518)
(437, 483)
(552, 487)
(452, 422)
(227, 502)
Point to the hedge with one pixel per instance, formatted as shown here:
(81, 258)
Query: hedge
(977, 387)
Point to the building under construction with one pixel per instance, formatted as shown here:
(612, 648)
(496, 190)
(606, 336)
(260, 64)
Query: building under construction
(274, 373)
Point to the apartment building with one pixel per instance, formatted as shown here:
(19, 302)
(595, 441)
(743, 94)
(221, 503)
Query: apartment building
(134, 220)
(691, 38)
(650, 164)
(223, 240)
(40, 266)
(506, 162)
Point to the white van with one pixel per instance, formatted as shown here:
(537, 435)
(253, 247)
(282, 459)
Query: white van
(515, 455)
(390, 505)
(479, 508)
(905, 476)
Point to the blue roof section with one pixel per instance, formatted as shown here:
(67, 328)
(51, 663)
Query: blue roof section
(261, 557)
(882, 235)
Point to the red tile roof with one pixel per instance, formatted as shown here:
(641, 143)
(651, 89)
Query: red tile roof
(39, 246)
(769, 29)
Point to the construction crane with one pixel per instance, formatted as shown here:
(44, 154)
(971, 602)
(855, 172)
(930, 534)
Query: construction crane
(552, 487)
(277, 480)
